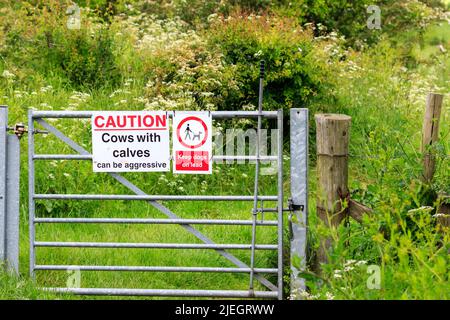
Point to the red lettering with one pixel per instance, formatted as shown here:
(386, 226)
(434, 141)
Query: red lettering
(97, 124)
(149, 121)
(131, 121)
(110, 123)
(161, 121)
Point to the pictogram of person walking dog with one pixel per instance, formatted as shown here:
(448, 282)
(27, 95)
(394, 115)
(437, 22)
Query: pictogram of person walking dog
(188, 133)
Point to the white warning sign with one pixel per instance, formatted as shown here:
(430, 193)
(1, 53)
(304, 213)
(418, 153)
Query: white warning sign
(192, 143)
(124, 141)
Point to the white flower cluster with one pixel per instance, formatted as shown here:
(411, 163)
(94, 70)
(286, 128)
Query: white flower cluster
(348, 266)
(198, 71)
(301, 294)
(76, 99)
(8, 74)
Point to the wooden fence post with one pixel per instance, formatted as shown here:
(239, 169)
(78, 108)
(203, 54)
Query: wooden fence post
(430, 134)
(332, 137)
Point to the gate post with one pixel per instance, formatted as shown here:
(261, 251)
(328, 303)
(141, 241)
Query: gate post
(332, 137)
(3, 143)
(9, 194)
(298, 217)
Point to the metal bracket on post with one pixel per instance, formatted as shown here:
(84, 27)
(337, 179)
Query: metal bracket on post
(9, 195)
(298, 203)
(19, 130)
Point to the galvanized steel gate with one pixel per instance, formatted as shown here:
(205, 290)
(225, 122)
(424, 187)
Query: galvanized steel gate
(297, 208)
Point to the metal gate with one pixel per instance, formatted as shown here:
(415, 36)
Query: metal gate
(256, 274)
(9, 210)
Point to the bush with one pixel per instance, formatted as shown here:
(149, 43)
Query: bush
(293, 74)
(37, 38)
(86, 61)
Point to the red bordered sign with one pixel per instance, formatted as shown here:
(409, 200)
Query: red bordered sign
(192, 145)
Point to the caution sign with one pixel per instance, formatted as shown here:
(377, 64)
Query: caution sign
(192, 143)
(125, 141)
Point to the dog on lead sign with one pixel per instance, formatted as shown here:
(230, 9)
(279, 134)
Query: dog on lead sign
(192, 142)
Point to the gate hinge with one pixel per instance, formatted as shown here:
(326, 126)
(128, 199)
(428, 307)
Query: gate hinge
(295, 207)
(19, 130)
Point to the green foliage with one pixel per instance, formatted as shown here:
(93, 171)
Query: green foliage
(346, 17)
(87, 61)
(293, 74)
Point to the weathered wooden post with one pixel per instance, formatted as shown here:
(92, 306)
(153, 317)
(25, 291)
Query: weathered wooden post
(333, 131)
(430, 134)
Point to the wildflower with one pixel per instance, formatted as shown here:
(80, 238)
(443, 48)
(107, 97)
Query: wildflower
(420, 211)
(348, 268)
(437, 215)
(212, 17)
(360, 263)
(258, 54)
(329, 296)
(349, 262)
(8, 75)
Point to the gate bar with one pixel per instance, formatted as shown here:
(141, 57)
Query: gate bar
(153, 221)
(31, 191)
(256, 186)
(215, 114)
(89, 157)
(153, 269)
(165, 292)
(57, 244)
(280, 204)
(50, 196)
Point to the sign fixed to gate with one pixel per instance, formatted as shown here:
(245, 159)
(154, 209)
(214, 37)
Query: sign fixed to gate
(124, 141)
(192, 143)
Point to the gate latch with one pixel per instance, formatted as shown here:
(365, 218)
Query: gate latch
(19, 130)
(295, 207)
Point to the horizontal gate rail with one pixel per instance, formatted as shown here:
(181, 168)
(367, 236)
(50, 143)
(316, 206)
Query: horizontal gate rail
(148, 197)
(214, 114)
(132, 245)
(154, 221)
(89, 157)
(166, 292)
(153, 269)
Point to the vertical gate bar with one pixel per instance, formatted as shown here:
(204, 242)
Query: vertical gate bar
(256, 190)
(280, 204)
(3, 151)
(299, 136)
(31, 204)
(12, 203)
